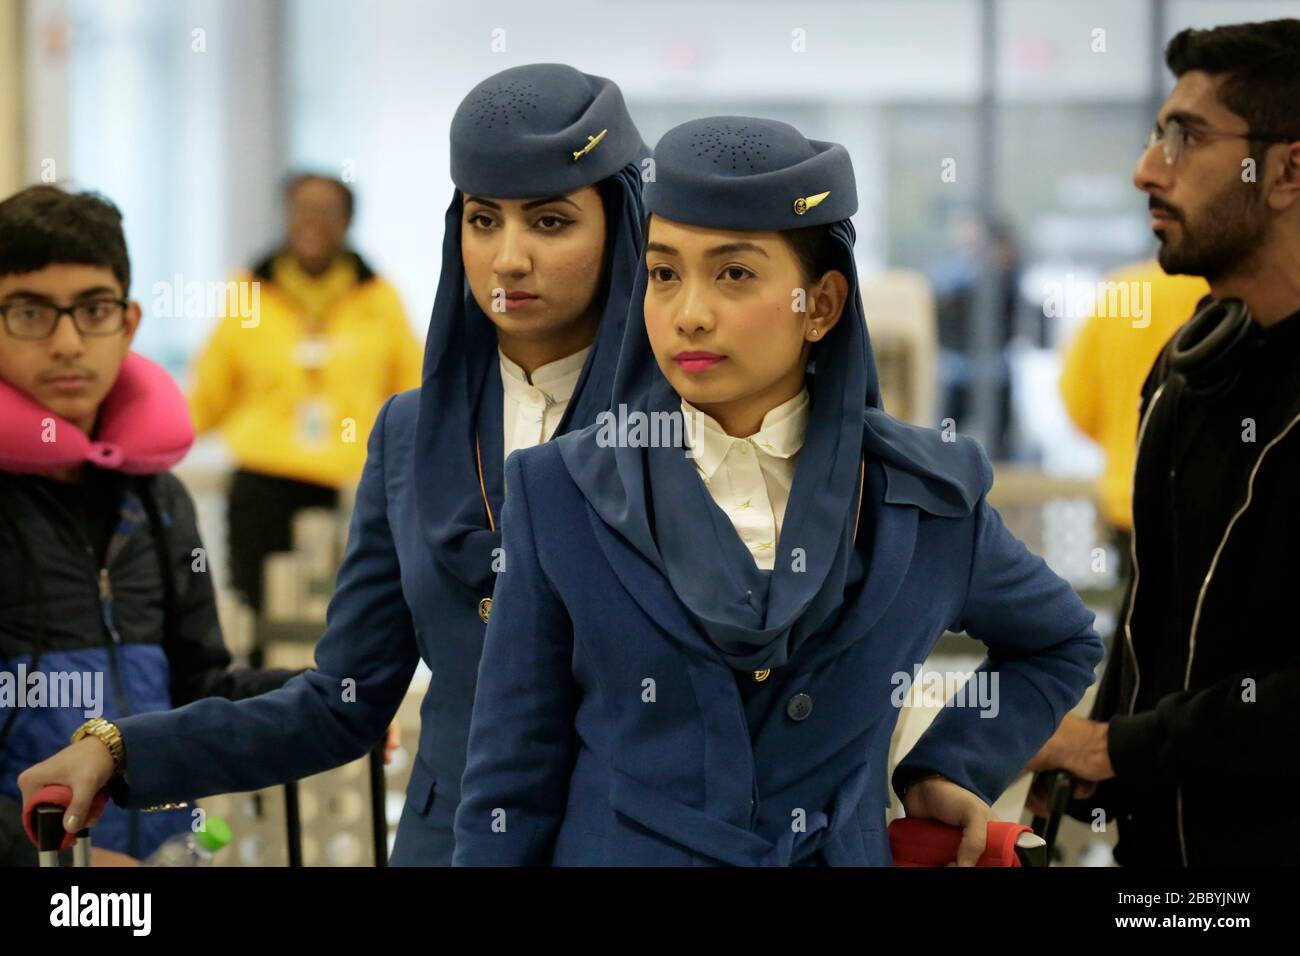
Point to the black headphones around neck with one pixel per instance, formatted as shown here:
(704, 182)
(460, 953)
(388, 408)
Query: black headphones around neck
(1207, 350)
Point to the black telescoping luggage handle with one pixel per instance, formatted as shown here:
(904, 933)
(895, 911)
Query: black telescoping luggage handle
(47, 819)
(378, 811)
(1060, 786)
(43, 821)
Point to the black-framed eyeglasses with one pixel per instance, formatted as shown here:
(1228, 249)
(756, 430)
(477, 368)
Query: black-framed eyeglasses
(38, 320)
(1174, 137)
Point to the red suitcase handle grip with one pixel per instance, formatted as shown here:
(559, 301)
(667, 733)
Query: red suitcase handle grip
(920, 842)
(58, 795)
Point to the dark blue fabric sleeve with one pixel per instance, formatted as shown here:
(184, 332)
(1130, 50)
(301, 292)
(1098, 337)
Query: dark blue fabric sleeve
(1042, 652)
(320, 719)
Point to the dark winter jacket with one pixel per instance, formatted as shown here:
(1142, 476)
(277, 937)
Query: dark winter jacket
(105, 592)
(1201, 687)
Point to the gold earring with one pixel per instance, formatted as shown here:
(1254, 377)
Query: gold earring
(815, 333)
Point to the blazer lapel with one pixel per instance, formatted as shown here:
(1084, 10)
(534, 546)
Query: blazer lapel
(650, 589)
(729, 762)
(892, 546)
(491, 440)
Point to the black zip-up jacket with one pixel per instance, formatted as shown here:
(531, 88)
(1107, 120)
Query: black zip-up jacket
(72, 608)
(1202, 688)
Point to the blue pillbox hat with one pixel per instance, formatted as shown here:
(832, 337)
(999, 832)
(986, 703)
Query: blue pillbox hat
(739, 172)
(540, 130)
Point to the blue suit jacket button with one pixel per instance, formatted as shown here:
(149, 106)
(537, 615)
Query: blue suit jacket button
(800, 706)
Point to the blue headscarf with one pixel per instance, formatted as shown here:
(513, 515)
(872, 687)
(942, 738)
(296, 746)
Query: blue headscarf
(739, 173)
(527, 132)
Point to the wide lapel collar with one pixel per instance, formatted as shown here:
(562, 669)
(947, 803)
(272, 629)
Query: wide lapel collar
(650, 589)
(893, 526)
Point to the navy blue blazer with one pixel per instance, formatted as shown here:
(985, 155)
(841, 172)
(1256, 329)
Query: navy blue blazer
(607, 730)
(393, 606)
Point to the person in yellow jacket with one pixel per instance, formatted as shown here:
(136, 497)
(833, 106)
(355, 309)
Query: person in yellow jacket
(295, 376)
(1108, 360)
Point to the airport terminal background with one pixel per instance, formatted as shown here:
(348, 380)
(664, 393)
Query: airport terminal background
(993, 141)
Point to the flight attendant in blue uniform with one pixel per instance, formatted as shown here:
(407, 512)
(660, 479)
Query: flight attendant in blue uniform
(696, 643)
(541, 246)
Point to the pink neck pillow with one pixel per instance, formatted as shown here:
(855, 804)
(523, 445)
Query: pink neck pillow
(143, 427)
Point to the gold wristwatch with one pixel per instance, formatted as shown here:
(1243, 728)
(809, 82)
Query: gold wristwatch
(109, 735)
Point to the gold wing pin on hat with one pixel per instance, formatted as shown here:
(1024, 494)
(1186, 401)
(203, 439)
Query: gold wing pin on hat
(804, 203)
(592, 143)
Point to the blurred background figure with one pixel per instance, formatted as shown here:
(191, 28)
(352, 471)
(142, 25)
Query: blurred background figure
(1101, 382)
(295, 381)
(984, 261)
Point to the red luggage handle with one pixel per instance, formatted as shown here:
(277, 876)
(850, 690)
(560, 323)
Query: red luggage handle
(51, 802)
(920, 842)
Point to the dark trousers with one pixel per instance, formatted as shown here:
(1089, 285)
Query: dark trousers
(259, 520)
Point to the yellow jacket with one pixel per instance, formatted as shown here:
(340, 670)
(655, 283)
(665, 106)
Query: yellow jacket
(298, 405)
(1107, 362)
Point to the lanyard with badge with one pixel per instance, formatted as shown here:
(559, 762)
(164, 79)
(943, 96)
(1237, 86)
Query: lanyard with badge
(311, 353)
